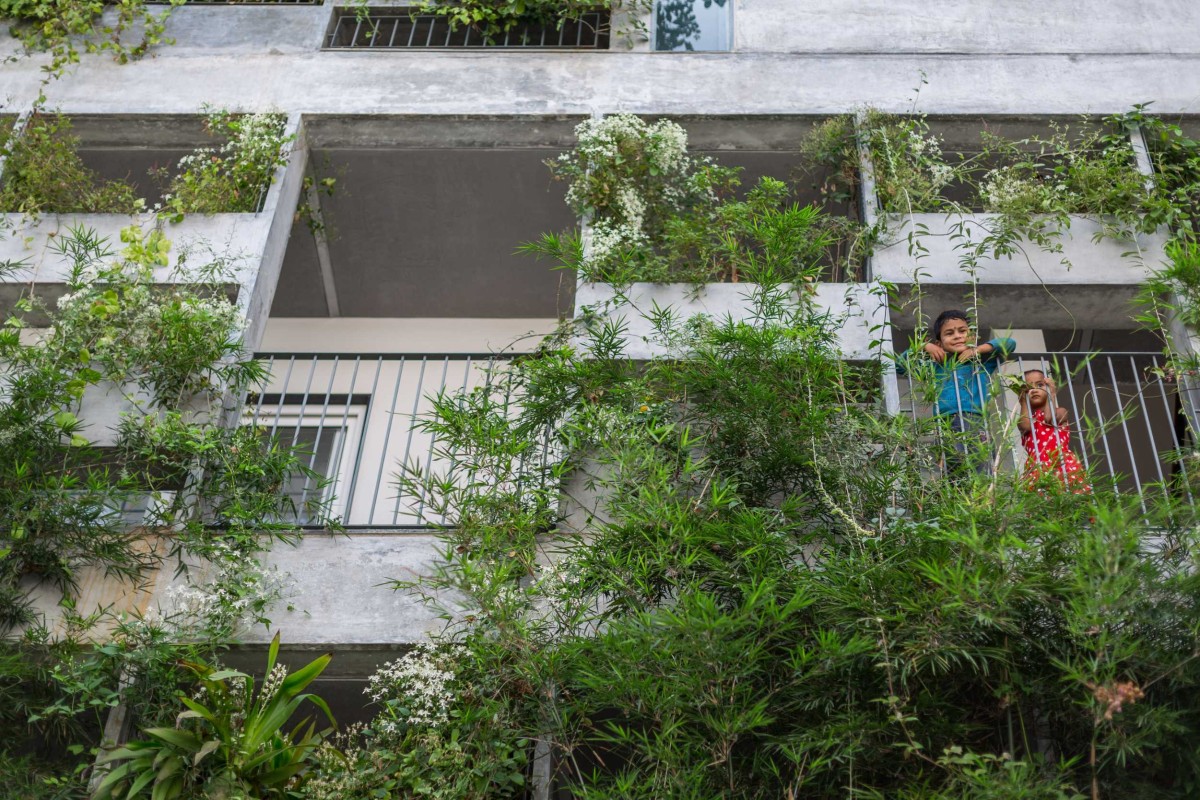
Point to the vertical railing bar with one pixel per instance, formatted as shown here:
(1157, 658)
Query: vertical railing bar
(413, 32)
(387, 438)
(1028, 409)
(312, 371)
(433, 438)
(336, 463)
(1075, 414)
(412, 419)
(356, 468)
(579, 33)
(1137, 478)
(463, 390)
(395, 30)
(467, 37)
(429, 36)
(449, 33)
(542, 41)
(1170, 416)
(1137, 382)
(262, 390)
(1112, 472)
(287, 381)
(312, 459)
(357, 29)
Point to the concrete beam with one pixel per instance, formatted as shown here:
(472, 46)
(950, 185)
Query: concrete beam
(579, 83)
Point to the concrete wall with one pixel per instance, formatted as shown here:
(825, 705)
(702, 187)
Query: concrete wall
(859, 308)
(1059, 56)
(410, 335)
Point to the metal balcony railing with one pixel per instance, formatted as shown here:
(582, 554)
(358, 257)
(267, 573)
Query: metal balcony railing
(356, 417)
(1125, 410)
(375, 28)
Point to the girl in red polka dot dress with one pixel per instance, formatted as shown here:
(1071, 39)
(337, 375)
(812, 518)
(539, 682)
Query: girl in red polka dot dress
(1047, 437)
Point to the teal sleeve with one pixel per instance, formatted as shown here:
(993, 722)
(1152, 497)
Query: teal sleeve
(1002, 348)
(903, 361)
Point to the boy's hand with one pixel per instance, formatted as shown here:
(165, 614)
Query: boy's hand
(935, 352)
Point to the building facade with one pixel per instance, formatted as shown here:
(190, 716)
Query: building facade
(411, 284)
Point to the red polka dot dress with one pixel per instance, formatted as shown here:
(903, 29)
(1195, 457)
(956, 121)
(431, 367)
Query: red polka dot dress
(1049, 450)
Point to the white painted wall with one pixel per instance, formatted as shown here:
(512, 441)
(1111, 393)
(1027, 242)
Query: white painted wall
(410, 335)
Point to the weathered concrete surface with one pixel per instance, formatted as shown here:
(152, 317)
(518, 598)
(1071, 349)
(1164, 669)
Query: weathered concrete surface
(1046, 307)
(1084, 258)
(341, 594)
(605, 82)
(857, 306)
(408, 335)
(338, 591)
(967, 26)
(238, 237)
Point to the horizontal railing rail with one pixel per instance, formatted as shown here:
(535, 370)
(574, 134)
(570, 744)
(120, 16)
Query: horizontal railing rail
(1125, 417)
(357, 418)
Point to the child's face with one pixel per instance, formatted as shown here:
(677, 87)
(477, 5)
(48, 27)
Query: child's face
(1037, 388)
(955, 336)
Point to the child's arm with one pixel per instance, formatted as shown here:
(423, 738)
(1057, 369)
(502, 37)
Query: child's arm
(1023, 423)
(904, 360)
(1060, 414)
(998, 349)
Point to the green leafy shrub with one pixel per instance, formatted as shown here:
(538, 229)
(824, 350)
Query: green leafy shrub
(760, 590)
(169, 354)
(233, 177)
(494, 17)
(60, 26)
(44, 174)
(428, 740)
(229, 742)
(656, 213)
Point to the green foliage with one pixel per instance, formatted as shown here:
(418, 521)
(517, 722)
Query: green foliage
(427, 741)
(494, 17)
(168, 353)
(233, 177)
(44, 174)
(229, 742)
(60, 27)
(657, 214)
(759, 588)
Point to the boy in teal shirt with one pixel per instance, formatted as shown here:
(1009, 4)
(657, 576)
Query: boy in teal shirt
(963, 371)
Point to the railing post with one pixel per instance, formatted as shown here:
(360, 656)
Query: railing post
(1181, 341)
(868, 203)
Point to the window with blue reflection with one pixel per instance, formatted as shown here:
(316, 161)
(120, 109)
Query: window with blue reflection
(693, 25)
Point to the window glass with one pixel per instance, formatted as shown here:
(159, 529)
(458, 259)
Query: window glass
(693, 25)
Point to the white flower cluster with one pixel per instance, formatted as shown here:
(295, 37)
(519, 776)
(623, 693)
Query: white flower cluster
(239, 590)
(608, 239)
(1004, 189)
(925, 151)
(419, 683)
(602, 144)
(273, 681)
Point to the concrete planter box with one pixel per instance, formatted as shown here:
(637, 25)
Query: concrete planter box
(337, 590)
(238, 237)
(104, 404)
(860, 310)
(1097, 285)
(1088, 261)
